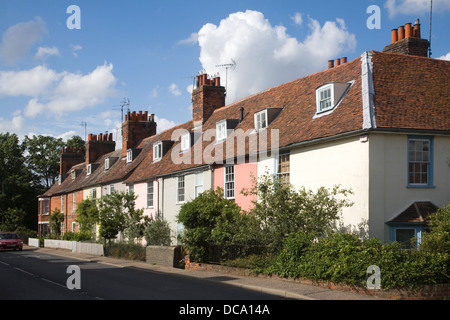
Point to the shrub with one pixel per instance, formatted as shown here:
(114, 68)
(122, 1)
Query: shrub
(129, 251)
(158, 233)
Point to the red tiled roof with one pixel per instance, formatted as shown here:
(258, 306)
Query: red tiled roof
(410, 93)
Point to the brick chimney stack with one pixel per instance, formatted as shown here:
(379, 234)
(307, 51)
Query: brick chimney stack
(137, 126)
(208, 96)
(69, 158)
(98, 146)
(407, 40)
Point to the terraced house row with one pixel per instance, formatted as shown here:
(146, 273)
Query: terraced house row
(379, 125)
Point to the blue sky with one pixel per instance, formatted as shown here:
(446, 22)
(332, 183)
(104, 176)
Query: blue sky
(53, 79)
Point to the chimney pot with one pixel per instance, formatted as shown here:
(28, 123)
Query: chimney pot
(330, 64)
(416, 31)
(337, 62)
(343, 60)
(401, 32)
(394, 36)
(100, 137)
(408, 30)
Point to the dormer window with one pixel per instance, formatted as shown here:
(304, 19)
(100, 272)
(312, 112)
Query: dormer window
(324, 100)
(107, 164)
(129, 156)
(221, 130)
(157, 151)
(329, 96)
(73, 174)
(185, 142)
(261, 120)
(89, 169)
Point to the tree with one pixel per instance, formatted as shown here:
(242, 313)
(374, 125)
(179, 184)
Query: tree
(282, 210)
(438, 239)
(201, 217)
(87, 216)
(18, 186)
(43, 157)
(55, 220)
(117, 213)
(76, 142)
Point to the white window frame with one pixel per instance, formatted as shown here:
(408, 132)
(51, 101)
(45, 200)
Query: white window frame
(46, 207)
(221, 131)
(185, 142)
(131, 188)
(261, 120)
(157, 151)
(62, 204)
(107, 163)
(74, 202)
(74, 226)
(198, 188)
(229, 182)
(150, 195)
(319, 98)
(111, 188)
(129, 156)
(89, 169)
(181, 189)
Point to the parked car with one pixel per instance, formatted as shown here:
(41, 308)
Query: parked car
(10, 241)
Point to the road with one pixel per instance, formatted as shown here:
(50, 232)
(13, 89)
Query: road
(34, 275)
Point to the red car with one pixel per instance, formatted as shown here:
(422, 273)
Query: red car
(10, 241)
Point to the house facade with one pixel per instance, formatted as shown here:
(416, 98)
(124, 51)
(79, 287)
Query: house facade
(378, 125)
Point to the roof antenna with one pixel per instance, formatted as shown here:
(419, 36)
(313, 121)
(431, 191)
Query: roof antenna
(125, 103)
(231, 66)
(84, 124)
(431, 19)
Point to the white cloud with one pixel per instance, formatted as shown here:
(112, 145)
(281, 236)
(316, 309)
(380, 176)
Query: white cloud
(33, 82)
(45, 52)
(297, 18)
(173, 88)
(16, 124)
(18, 39)
(445, 57)
(267, 55)
(75, 48)
(164, 124)
(406, 7)
(193, 38)
(74, 92)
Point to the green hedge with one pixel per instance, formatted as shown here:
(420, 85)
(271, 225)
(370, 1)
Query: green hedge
(344, 258)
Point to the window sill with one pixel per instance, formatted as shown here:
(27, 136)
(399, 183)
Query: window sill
(420, 186)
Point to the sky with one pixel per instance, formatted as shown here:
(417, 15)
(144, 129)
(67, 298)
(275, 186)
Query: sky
(66, 72)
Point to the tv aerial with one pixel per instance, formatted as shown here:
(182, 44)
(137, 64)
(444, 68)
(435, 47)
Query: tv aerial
(125, 103)
(227, 66)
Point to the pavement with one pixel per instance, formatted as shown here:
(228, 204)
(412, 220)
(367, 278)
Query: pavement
(282, 287)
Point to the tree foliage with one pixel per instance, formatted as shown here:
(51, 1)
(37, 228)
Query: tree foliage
(87, 216)
(282, 210)
(18, 186)
(117, 213)
(43, 157)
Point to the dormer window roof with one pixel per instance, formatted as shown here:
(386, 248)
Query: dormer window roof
(328, 96)
(157, 151)
(265, 117)
(185, 141)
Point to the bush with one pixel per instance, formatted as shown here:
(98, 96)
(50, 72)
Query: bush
(157, 233)
(129, 251)
(344, 258)
(201, 218)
